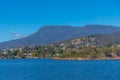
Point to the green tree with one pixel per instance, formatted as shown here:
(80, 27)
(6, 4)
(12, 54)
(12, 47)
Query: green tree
(20, 54)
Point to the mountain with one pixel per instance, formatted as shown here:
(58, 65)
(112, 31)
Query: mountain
(112, 38)
(53, 34)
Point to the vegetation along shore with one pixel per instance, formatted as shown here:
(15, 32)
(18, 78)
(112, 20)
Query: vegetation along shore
(83, 48)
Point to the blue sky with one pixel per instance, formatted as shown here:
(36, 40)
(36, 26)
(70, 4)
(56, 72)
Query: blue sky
(27, 16)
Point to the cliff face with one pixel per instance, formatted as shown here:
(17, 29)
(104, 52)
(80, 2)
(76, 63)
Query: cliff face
(53, 34)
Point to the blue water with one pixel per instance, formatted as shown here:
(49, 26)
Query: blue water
(48, 69)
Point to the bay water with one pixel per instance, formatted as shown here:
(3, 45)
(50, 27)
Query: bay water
(49, 69)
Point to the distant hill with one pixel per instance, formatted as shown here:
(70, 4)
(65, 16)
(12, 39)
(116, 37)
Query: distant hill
(53, 34)
(112, 38)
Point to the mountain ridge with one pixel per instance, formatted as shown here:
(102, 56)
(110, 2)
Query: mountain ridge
(58, 33)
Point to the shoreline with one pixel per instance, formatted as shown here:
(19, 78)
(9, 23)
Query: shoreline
(57, 58)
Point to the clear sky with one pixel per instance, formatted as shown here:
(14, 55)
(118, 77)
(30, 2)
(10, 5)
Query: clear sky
(27, 16)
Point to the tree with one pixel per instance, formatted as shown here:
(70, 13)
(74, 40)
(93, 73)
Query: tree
(35, 53)
(20, 54)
